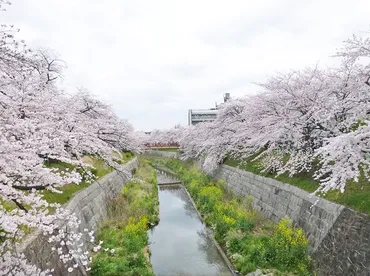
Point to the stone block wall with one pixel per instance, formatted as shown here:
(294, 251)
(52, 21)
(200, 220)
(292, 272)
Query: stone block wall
(276, 200)
(339, 237)
(345, 250)
(89, 205)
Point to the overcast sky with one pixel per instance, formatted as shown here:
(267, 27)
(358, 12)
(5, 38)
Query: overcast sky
(152, 60)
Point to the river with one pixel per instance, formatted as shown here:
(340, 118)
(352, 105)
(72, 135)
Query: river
(179, 244)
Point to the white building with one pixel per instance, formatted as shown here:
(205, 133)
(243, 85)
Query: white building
(201, 115)
(196, 116)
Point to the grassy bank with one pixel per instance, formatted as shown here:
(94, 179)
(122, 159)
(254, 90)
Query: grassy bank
(356, 195)
(100, 169)
(249, 241)
(124, 232)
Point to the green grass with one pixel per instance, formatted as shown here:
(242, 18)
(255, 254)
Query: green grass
(68, 191)
(356, 195)
(250, 241)
(125, 230)
(8, 205)
(167, 149)
(99, 170)
(125, 157)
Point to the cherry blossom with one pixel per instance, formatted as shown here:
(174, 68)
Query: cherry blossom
(311, 120)
(41, 124)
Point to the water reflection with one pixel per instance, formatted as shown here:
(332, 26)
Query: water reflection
(178, 191)
(179, 244)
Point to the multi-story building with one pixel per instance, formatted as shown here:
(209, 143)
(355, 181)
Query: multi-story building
(196, 116)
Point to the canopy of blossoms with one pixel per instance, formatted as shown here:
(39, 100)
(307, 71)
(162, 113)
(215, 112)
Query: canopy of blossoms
(39, 123)
(315, 119)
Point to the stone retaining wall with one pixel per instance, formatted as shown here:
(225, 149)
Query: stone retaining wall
(345, 250)
(339, 237)
(89, 205)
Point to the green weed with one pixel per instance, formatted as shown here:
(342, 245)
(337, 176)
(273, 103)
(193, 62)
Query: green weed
(129, 216)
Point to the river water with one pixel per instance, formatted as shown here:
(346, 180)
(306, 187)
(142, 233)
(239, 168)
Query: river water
(179, 244)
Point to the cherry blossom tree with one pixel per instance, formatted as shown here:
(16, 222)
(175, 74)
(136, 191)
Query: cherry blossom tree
(161, 138)
(313, 120)
(345, 156)
(39, 123)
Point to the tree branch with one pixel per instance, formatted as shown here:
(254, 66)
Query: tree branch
(29, 188)
(20, 206)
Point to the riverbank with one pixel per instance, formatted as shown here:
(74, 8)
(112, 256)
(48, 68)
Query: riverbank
(124, 232)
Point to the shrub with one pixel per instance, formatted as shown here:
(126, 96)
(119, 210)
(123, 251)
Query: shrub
(285, 250)
(129, 257)
(207, 198)
(288, 247)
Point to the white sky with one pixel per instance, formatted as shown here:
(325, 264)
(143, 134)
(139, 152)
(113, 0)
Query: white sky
(152, 60)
